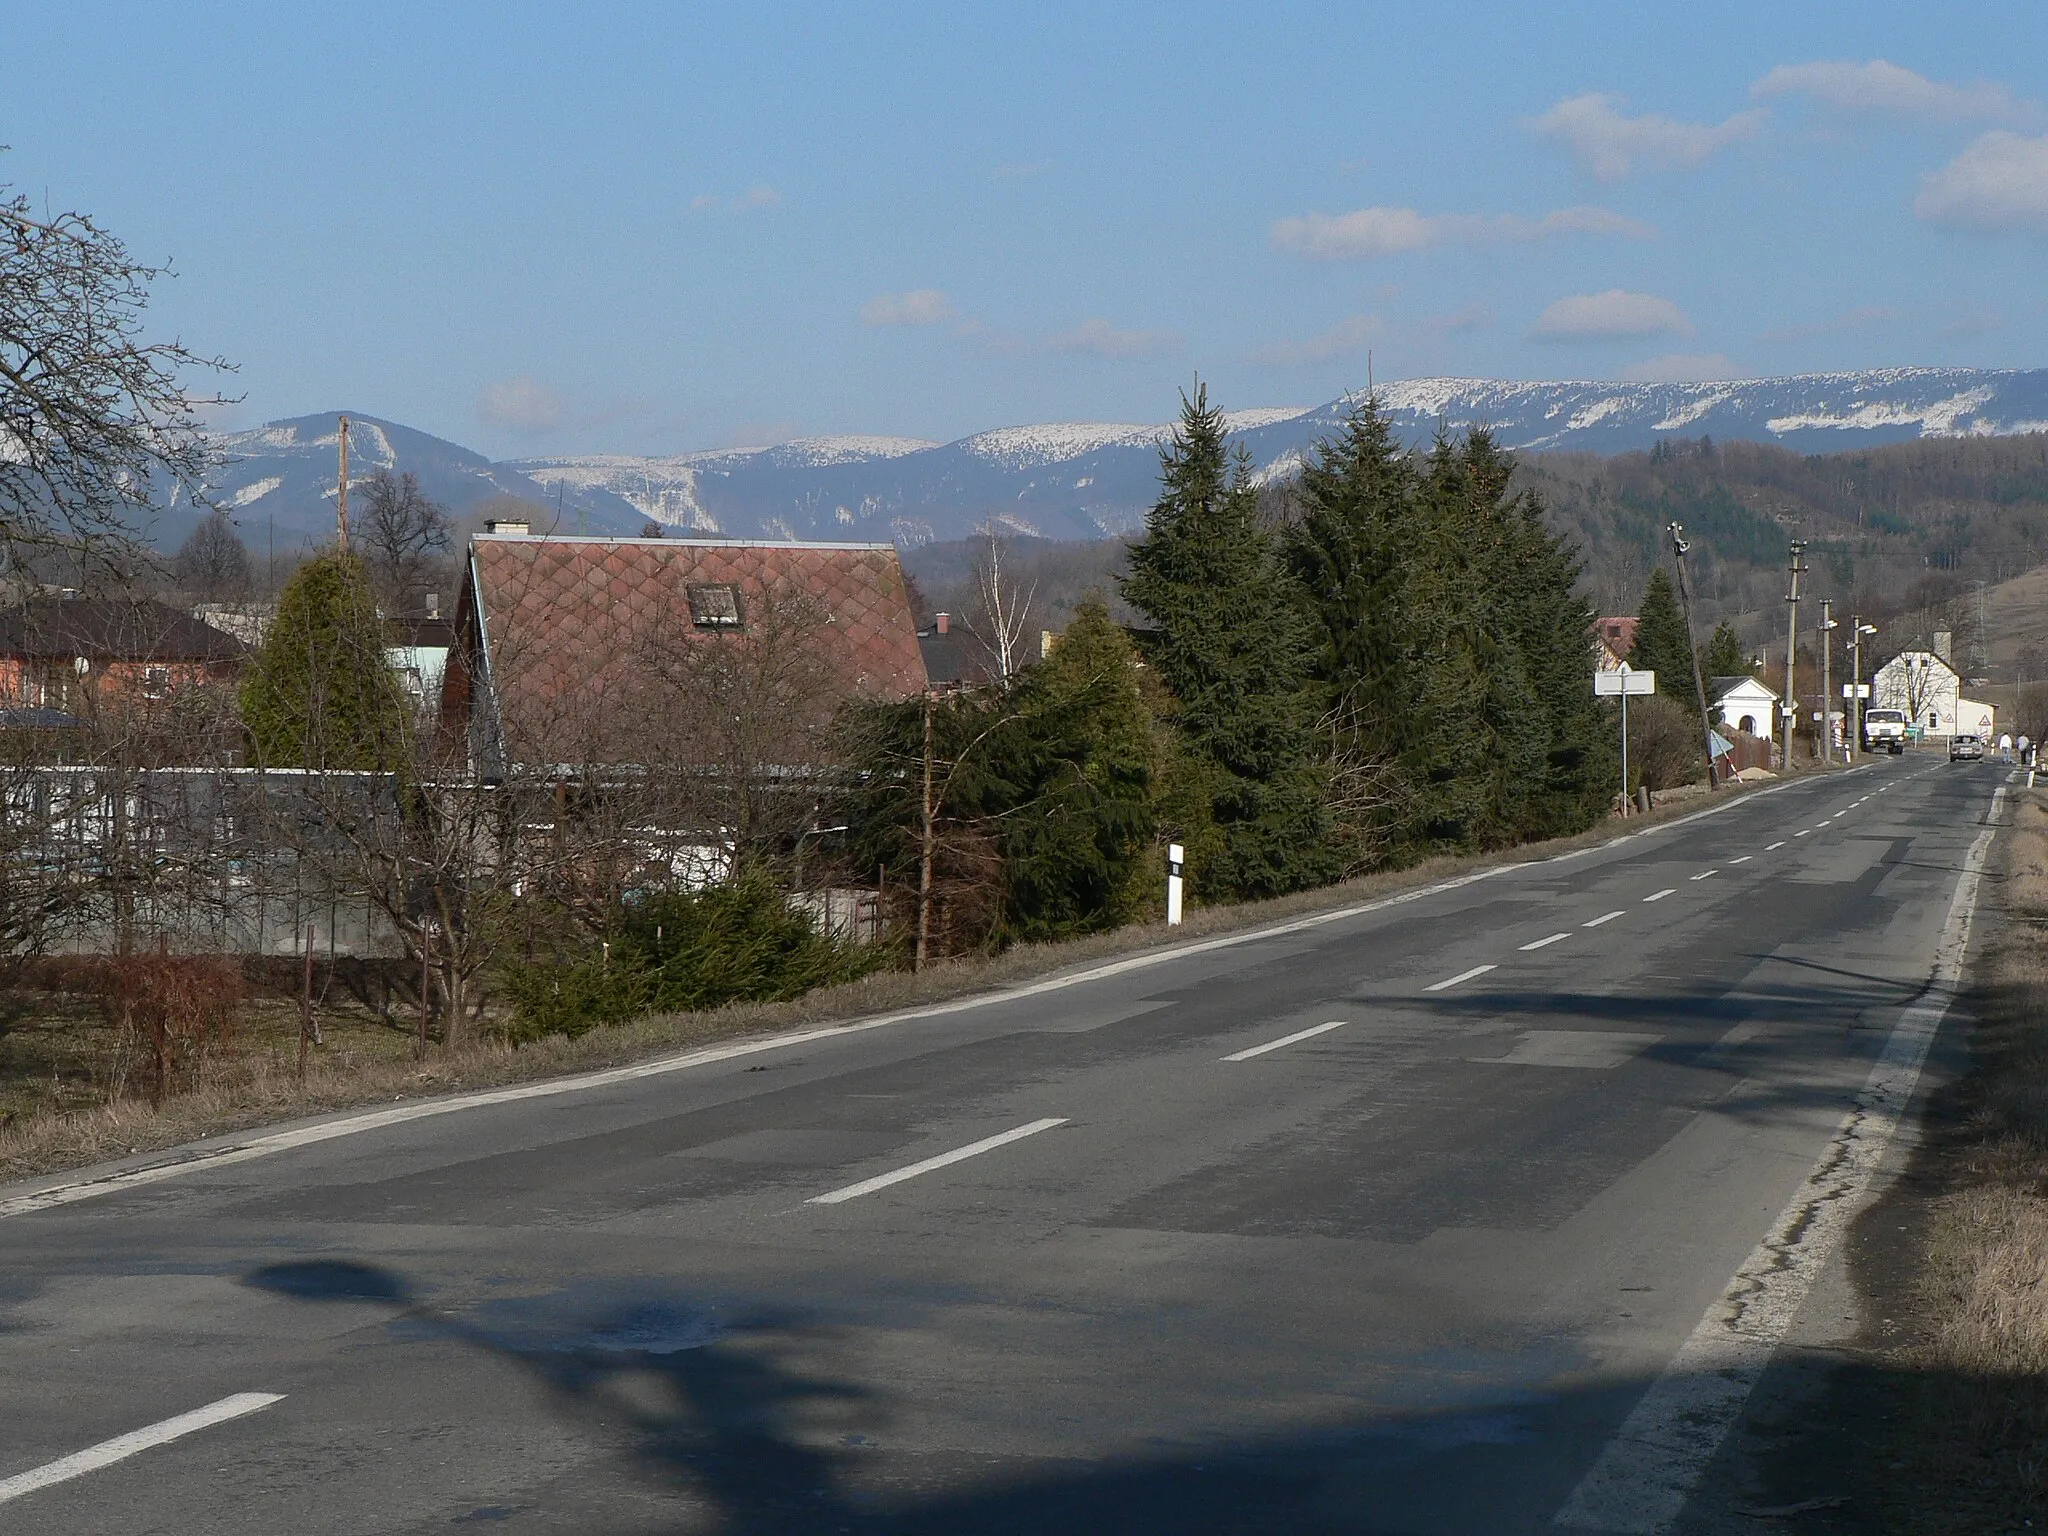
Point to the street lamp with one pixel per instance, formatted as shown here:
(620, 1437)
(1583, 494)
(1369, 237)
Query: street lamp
(1857, 630)
(1827, 654)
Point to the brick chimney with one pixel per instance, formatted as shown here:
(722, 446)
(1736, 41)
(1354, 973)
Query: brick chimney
(943, 623)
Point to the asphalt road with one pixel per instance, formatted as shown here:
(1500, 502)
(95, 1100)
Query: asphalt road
(1408, 1272)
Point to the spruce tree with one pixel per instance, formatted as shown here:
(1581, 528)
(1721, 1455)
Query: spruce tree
(320, 693)
(1232, 646)
(1724, 656)
(1661, 643)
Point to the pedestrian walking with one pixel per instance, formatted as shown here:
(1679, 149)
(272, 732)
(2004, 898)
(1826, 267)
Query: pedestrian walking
(2005, 746)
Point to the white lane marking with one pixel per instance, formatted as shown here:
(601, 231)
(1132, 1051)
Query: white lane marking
(1743, 860)
(202, 1156)
(958, 1154)
(1299, 1034)
(1604, 917)
(1803, 832)
(1452, 981)
(1774, 847)
(1543, 943)
(1818, 824)
(1669, 890)
(1703, 874)
(1642, 1478)
(107, 1452)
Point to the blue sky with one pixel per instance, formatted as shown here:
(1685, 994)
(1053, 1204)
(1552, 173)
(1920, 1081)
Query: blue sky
(540, 229)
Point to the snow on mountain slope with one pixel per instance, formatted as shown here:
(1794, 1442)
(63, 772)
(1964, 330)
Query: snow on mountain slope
(1074, 480)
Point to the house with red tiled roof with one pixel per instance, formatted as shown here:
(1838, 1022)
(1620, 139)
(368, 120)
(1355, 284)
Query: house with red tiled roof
(1613, 639)
(583, 651)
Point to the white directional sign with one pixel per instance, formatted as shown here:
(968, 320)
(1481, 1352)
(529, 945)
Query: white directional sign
(1608, 684)
(1855, 690)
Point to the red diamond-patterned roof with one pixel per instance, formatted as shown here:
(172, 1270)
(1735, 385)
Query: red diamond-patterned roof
(576, 625)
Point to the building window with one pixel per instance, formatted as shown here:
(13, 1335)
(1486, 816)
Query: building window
(156, 682)
(715, 605)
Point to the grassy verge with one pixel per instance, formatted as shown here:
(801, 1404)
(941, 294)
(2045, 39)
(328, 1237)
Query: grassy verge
(1964, 1347)
(366, 1061)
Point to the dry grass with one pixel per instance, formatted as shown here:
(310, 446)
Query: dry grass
(1971, 1442)
(367, 1062)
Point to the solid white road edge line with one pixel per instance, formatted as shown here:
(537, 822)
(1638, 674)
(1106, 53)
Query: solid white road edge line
(1669, 890)
(107, 1452)
(1604, 917)
(355, 1125)
(958, 1154)
(1452, 981)
(1299, 1034)
(1542, 943)
(1642, 1478)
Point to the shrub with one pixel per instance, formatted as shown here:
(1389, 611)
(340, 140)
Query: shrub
(172, 1006)
(1664, 745)
(683, 951)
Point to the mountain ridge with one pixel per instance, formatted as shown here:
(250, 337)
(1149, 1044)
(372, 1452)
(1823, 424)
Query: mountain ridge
(1070, 480)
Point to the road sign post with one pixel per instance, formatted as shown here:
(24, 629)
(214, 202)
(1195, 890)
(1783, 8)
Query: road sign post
(1176, 856)
(1619, 684)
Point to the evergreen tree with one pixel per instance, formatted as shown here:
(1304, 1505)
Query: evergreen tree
(1349, 553)
(1232, 646)
(1724, 656)
(1662, 644)
(320, 693)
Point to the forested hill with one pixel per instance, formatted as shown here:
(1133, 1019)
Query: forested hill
(1886, 525)
(1889, 528)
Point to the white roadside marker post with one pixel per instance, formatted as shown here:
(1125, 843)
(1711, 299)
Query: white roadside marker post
(1175, 857)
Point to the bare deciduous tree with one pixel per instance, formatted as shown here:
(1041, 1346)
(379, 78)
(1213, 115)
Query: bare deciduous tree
(1004, 609)
(212, 566)
(404, 535)
(93, 417)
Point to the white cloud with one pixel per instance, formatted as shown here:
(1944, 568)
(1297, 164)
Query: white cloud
(522, 404)
(1997, 185)
(1683, 368)
(1101, 339)
(920, 306)
(1347, 338)
(1610, 315)
(1366, 233)
(1611, 144)
(1886, 90)
(753, 197)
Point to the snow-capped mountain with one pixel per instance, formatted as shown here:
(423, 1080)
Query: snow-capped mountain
(1082, 479)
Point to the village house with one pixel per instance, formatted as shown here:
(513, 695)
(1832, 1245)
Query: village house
(583, 650)
(1930, 692)
(1613, 639)
(79, 655)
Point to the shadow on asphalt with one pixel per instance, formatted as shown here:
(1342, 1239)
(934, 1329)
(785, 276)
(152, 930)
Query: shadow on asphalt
(740, 1416)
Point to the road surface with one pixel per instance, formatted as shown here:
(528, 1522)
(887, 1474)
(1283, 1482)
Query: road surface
(1407, 1219)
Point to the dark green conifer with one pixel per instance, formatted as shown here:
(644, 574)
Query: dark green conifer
(1661, 644)
(1724, 656)
(1232, 646)
(320, 693)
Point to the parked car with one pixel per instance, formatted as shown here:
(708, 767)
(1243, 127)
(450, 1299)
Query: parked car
(1965, 749)
(1884, 730)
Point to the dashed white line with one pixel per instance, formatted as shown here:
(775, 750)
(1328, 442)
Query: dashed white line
(1274, 1045)
(1703, 874)
(1605, 917)
(1743, 860)
(958, 1154)
(1543, 943)
(1451, 981)
(1774, 847)
(1802, 832)
(1824, 823)
(121, 1447)
(1660, 895)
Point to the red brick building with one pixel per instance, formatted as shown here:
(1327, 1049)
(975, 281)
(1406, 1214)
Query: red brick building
(84, 654)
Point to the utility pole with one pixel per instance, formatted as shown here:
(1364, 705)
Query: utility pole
(925, 841)
(1827, 651)
(1798, 569)
(1699, 683)
(341, 495)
